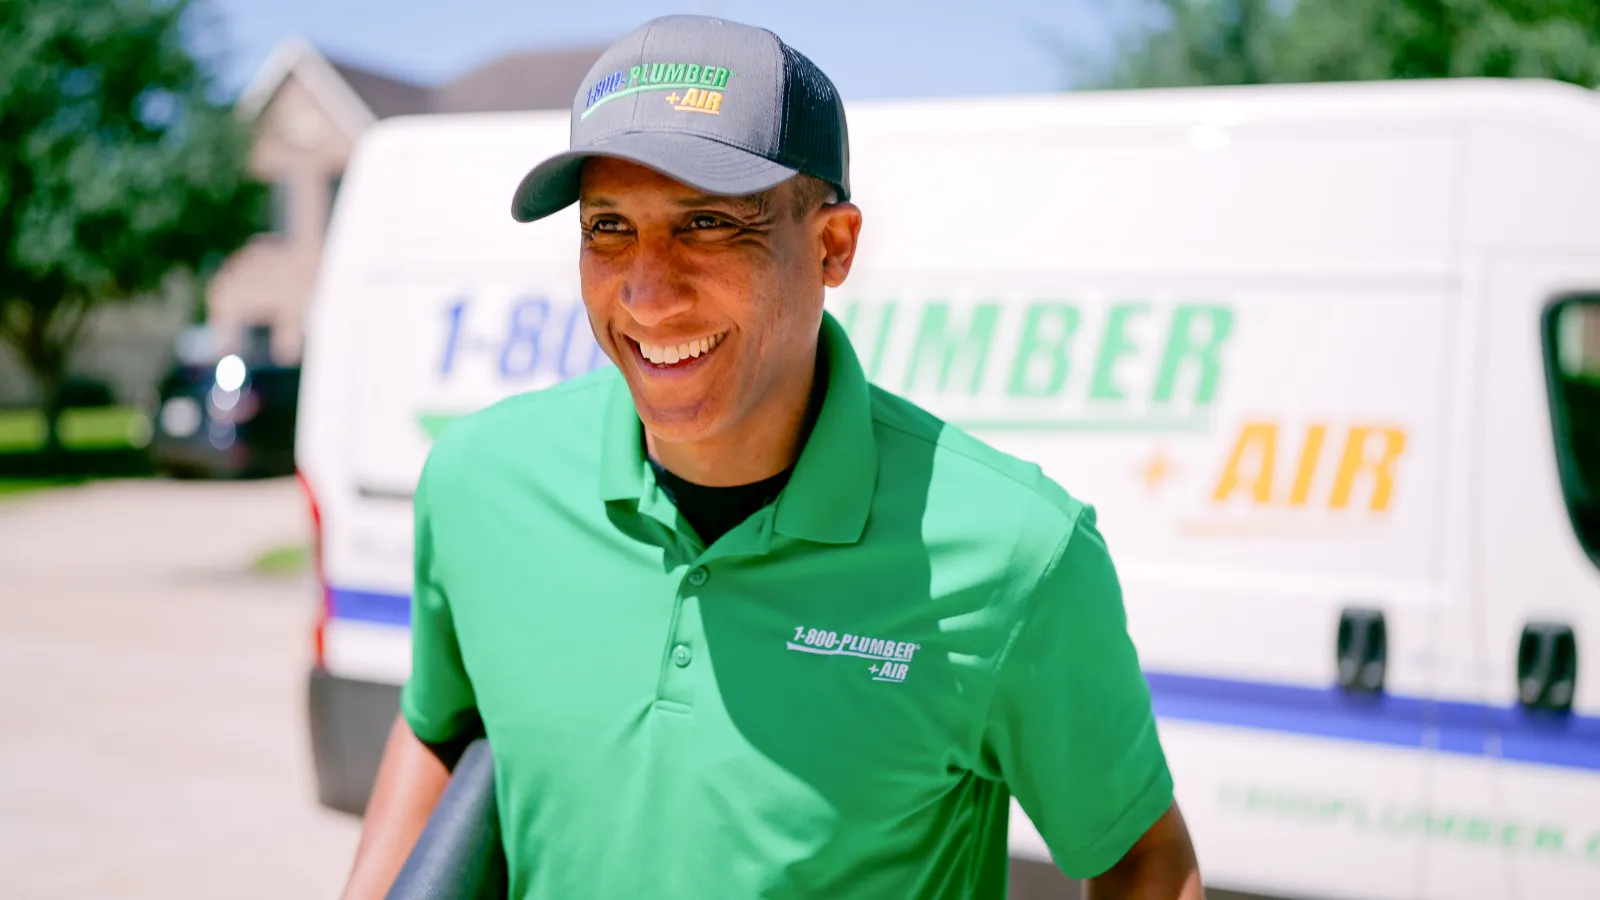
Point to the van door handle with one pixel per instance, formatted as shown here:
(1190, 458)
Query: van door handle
(1547, 666)
(1362, 650)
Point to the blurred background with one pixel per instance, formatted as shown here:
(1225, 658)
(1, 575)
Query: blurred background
(167, 172)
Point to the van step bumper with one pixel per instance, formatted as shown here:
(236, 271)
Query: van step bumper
(350, 722)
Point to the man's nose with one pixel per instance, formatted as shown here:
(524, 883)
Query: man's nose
(654, 290)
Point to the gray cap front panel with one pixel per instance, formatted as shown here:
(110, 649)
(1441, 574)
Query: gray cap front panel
(662, 78)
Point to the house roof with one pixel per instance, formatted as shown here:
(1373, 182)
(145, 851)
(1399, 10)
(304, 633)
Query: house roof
(545, 80)
(297, 57)
(358, 96)
(384, 95)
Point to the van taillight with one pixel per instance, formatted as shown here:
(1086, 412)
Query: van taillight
(324, 609)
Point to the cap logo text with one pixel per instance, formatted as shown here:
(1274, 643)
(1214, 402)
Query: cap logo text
(607, 85)
(697, 87)
(697, 100)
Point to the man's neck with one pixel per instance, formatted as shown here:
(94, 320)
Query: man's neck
(756, 450)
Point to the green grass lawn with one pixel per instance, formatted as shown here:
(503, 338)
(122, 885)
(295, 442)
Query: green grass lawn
(91, 428)
(16, 487)
(292, 559)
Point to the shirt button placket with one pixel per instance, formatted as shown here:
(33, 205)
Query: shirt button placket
(676, 679)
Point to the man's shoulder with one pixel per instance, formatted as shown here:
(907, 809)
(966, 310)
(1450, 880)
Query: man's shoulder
(969, 478)
(534, 428)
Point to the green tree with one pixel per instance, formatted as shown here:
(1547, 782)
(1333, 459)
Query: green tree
(118, 168)
(1199, 42)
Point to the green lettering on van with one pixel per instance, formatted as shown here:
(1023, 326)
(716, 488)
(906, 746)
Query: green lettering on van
(855, 325)
(1202, 351)
(1003, 365)
(1113, 347)
(935, 343)
(1043, 343)
(1439, 825)
(434, 423)
(1479, 831)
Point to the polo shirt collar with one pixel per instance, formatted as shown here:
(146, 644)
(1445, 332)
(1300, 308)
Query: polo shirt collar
(829, 493)
(622, 460)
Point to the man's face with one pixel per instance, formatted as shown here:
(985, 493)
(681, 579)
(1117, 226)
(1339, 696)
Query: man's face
(710, 306)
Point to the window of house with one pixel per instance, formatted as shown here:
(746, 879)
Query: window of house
(278, 208)
(1572, 366)
(333, 192)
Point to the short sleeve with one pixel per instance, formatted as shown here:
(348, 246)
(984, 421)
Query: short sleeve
(437, 699)
(1070, 729)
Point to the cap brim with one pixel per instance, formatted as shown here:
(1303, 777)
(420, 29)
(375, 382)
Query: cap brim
(699, 162)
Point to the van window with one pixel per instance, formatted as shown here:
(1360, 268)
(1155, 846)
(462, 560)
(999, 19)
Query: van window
(1572, 366)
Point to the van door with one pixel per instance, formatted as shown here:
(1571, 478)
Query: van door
(1540, 575)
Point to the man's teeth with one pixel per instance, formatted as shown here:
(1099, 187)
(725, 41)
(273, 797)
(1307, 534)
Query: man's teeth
(667, 355)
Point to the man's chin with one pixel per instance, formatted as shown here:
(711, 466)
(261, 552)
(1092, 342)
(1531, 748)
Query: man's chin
(676, 422)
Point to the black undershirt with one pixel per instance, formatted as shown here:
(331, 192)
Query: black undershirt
(714, 511)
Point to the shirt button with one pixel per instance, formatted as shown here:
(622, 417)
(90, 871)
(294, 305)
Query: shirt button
(698, 576)
(681, 655)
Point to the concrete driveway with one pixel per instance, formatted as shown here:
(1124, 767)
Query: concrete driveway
(152, 732)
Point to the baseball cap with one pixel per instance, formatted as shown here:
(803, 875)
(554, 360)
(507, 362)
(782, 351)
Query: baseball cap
(725, 108)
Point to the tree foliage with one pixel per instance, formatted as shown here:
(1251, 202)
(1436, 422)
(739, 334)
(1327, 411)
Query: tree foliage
(118, 167)
(1210, 42)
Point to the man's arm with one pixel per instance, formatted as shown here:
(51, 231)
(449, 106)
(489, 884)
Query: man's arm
(1160, 864)
(1072, 732)
(411, 779)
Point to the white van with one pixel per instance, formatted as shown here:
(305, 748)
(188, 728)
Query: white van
(1325, 358)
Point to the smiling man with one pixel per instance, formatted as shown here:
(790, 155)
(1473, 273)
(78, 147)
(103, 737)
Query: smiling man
(736, 623)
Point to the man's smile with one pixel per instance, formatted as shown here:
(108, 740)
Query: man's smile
(667, 356)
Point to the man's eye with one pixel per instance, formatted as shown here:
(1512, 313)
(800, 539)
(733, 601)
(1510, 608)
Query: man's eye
(703, 222)
(605, 226)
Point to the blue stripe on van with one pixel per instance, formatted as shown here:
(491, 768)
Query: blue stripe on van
(369, 606)
(1465, 729)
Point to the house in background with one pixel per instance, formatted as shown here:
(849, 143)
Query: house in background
(309, 111)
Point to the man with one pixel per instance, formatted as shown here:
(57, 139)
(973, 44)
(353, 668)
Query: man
(735, 623)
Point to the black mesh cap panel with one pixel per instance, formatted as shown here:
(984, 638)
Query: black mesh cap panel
(814, 138)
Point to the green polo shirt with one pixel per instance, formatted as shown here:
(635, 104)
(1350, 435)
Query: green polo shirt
(835, 699)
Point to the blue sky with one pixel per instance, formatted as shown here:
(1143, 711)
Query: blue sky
(873, 49)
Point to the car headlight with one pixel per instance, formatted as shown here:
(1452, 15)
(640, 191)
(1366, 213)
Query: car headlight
(180, 416)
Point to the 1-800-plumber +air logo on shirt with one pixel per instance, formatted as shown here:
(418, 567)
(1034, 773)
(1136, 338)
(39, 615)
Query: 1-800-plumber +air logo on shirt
(891, 660)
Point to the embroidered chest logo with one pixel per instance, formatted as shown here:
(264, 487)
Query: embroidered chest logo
(891, 660)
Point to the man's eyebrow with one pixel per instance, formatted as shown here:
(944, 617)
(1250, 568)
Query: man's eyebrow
(754, 205)
(598, 203)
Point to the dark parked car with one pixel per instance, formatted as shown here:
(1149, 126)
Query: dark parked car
(226, 420)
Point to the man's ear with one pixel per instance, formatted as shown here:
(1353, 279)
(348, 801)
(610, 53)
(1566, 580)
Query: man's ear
(840, 230)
